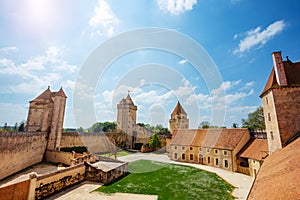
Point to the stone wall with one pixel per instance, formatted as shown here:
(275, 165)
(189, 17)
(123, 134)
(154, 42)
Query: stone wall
(95, 142)
(20, 150)
(60, 157)
(99, 175)
(53, 182)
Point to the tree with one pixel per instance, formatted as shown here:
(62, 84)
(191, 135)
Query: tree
(103, 127)
(255, 120)
(204, 124)
(21, 128)
(235, 125)
(114, 141)
(154, 142)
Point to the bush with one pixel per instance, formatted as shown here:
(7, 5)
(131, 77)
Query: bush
(79, 149)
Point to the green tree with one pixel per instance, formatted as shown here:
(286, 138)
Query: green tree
(21, 128)
(255, 120)
(103, 127)
(155, 142)
(204, 125)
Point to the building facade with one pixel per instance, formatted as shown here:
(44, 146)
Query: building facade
(213, 147)
(281, 102)
(46, 114)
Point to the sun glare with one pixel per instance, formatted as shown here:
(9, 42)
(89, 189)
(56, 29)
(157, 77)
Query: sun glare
(39, 18)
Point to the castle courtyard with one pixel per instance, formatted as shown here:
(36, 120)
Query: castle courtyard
(242, 182)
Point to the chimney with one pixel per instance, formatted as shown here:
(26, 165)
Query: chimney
(279, 68)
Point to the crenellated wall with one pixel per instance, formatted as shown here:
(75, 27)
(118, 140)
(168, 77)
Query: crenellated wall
(20, 150)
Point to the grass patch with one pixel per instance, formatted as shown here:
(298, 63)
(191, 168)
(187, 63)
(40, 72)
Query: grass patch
(170, 181)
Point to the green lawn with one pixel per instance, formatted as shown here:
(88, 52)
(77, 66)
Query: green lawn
(170, 181)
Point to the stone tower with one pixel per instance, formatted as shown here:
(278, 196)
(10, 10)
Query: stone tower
(46, 114)
(281, 103)
(126, 120)
(178, 119)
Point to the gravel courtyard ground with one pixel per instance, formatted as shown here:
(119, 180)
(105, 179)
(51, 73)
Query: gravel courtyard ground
(242, 182)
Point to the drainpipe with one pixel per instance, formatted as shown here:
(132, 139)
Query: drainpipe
(232, 162)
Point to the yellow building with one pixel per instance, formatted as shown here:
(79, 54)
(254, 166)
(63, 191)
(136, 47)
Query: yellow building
(213, 147)
(281, 103)
(252, 156)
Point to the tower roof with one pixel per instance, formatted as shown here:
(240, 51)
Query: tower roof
(178, 110)
(129, 100)
(60, 93)
(46, 95)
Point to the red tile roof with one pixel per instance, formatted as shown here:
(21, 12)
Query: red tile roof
(278, 177)
(212, 138)
(292, 71)
(183, 137)
(256, 149)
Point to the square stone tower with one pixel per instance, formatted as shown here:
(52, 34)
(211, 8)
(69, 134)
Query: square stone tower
(178, 119)
(126, 120)
(281, 103)
(46, 114)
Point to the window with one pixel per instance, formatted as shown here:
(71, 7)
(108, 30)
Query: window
(183, 148)
(208, 160)
(269, 116)
(272, 135)
(207, 150)
(191, 148)
(183, 156)
(226, 163)
(216, 161)
(267, 100)
(191, 156)
(175, 147)
(253, 161)
(225, 153)
(175, 155)
(216, 151)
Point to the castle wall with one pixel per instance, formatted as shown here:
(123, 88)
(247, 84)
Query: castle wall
(282, 115)
(95, 142)
(287, 105)
(20, 150)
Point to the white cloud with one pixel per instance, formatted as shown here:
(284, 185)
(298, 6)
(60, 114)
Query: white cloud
(176, 7)
(103, 21)
(216, 96)
(6, 50)
(35, 74)
(259, 36)
(181, 62)
(249, 84)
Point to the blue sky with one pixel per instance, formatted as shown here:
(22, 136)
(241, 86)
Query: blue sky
(46, 42)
